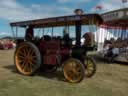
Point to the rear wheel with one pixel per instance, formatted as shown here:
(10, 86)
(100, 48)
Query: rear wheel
(27, 58)
(73, 70)
(90, 66)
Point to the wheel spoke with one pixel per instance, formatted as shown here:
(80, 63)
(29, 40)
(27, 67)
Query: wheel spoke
(21, 61)
(33, 56)
(89, 65)
(26, 66)
(22, 53)
(88, 71)
(70, 74)
(29, 67)
(23, 65)
(21, 57)
(33, 61)
(30, 52)
(78, 68)
(75, 71)
(26, 49)
(67, 67)
(76, 76)
(30, 62)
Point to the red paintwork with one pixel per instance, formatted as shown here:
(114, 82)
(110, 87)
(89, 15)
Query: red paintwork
(51, 50)
(64, 53)
(49, 59)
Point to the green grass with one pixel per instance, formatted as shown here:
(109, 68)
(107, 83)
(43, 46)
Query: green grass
(40, 86)
(109, 80)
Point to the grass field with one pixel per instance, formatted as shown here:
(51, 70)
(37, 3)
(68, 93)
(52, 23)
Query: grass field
(109, 80)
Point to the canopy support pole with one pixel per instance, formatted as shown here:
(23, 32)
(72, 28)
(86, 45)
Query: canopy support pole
(78, 33)
(13, 33)
(16, 31)
(52, 32)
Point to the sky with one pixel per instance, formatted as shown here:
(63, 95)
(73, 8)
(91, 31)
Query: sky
(20, 10)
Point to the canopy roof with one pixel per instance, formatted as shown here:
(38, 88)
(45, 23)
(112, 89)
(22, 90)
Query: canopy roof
(116, 18)
(86, 19)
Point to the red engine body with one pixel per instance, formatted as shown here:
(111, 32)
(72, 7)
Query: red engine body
(52, 51)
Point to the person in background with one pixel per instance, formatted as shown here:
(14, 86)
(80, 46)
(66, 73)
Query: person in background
(66, 37)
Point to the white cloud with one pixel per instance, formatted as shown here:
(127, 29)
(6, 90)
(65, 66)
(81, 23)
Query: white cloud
(13, 11)
(72, 1)
(4, 33)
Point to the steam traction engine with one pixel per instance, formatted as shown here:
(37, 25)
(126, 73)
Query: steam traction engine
(50, 52)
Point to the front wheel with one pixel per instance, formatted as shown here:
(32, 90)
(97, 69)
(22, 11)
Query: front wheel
(73, 70)
(90, 66)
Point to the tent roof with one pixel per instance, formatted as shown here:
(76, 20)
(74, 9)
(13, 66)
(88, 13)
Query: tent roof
(116, 18)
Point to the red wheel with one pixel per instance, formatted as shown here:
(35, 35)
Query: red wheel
(27, 58)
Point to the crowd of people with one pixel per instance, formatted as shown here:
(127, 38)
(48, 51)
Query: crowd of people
(7, 44)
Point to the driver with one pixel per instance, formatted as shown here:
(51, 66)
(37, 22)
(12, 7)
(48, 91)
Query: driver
(88, 38)
(29, 33)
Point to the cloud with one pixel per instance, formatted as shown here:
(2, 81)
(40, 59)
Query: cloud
(109, 5)
(12, 10)
(4, 33)
(72, 1)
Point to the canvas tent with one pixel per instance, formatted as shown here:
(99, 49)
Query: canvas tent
(100, 35)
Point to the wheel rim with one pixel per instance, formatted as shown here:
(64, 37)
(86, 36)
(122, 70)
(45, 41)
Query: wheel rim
(89, 67)
(73, 71)
(25, 59)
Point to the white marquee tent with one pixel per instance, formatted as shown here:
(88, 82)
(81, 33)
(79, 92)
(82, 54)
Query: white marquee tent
(100, 35)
